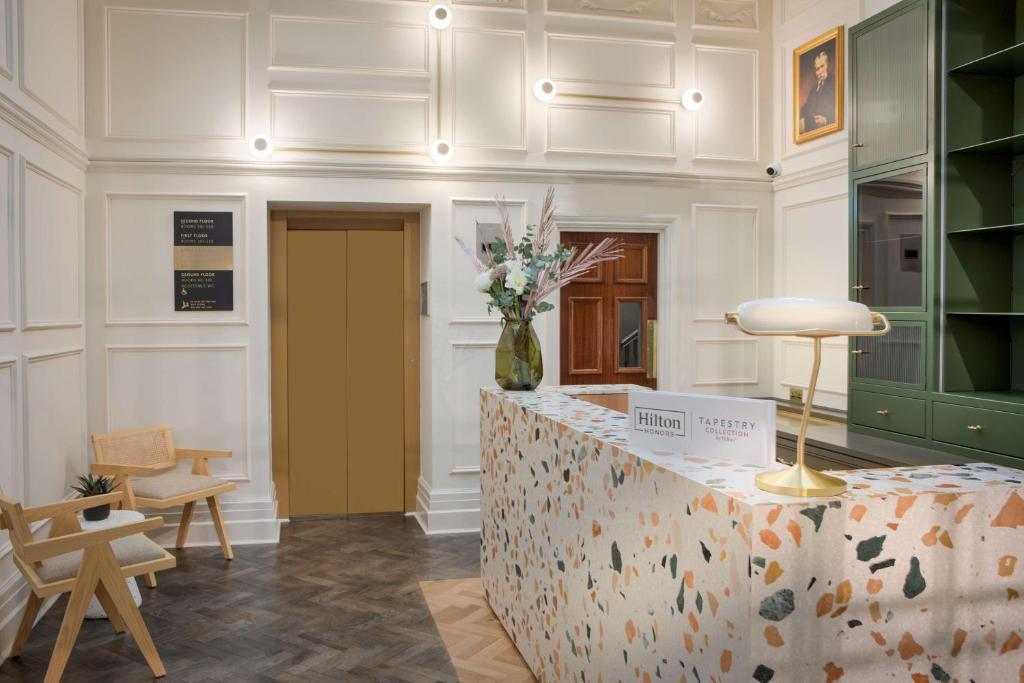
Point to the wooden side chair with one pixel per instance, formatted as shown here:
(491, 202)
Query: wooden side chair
(84, 564)
(144, 462)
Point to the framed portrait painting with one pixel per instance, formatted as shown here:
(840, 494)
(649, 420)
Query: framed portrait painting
(818, 87)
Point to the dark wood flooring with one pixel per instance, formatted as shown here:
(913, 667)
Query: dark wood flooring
(336, 600)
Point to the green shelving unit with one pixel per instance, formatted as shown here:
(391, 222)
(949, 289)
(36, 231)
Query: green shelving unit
(968, 336)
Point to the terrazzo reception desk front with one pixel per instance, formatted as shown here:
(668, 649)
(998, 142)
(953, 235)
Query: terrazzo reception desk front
(606, 566)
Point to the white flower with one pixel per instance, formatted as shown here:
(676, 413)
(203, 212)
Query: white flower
(483, 281)
(515, 278)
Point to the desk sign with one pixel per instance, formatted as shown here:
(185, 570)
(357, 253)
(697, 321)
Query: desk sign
(203, 269)
(739, 430)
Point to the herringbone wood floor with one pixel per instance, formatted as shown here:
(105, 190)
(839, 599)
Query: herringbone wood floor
(480, 649)
(337, 600)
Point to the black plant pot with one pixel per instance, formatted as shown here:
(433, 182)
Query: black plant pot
(97, 513)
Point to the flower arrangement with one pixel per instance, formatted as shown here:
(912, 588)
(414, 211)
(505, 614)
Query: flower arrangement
(519, 276)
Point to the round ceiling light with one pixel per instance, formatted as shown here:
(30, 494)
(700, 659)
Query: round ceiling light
(693, 99)
(261, 146)
(441, 151)
(545, 90)
(440, 17)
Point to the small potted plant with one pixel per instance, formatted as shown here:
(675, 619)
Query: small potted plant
(89, 485)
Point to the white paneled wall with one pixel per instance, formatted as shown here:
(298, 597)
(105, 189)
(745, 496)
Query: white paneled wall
(354, 93)
(811, 206)
(43, 409)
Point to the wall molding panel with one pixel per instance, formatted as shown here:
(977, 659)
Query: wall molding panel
(488, 90)
(350, 46)
(186, 386)
(48, 92)
(52, 281)
(721, 361)
(724, 259)
(727, 126)
(9, 246)
(386, 121)
(144, 290)
(60, 406)
(143, 104)
(726, 15)
(465, 451)
(7, 39)
(609, 130)
(601, 60)
(11, 463)
(795, 365)
(651, 11)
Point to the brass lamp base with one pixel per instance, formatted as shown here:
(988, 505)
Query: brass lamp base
(800, 480)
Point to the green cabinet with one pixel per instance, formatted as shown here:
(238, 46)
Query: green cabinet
(937, 90)
(891, 60)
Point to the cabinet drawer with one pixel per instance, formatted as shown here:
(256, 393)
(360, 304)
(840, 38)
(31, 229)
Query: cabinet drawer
(986, 430)
(891, 413)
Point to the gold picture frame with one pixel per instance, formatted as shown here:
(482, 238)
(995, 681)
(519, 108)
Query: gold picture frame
(818, 90)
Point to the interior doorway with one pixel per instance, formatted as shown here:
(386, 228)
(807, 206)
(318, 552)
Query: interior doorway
(609, 316)
(344, 356)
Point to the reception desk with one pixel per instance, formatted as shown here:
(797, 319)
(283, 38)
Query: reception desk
(606, 566)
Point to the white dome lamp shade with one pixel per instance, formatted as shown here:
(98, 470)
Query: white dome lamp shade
(545, 90)
(692, 99)
(816, 319)
(261, 146)
(440, 16)
(441, 151)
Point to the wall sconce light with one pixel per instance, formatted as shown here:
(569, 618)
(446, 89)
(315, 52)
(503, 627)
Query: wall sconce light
(441, 151)
(261, 146)
(692, 99)
(440, 16)
(545, 90)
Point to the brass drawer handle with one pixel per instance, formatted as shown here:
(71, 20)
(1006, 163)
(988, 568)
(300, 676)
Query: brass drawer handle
(974, 428)
(858, 145)
(883, 412)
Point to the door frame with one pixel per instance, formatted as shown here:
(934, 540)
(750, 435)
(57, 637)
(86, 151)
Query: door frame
(666, 228)
(408, 223)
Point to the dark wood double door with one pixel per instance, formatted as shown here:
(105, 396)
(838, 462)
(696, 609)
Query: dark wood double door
(605, 315)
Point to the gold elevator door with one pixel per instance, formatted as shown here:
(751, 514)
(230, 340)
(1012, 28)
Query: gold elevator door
(345, 372)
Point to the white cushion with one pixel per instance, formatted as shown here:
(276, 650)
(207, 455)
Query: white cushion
(796, 314)
(171, 484)
(129, 550)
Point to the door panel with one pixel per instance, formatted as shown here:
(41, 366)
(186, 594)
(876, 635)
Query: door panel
(586, 325)
(375, 371)
(317, 373)
(604, 314)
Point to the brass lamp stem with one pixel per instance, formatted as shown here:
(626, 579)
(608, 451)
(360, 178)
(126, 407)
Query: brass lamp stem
(808, 403)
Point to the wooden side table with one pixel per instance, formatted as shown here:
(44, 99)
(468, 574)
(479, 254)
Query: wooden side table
(116, 518)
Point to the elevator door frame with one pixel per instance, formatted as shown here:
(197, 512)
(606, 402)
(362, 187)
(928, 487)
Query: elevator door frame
(409, 225)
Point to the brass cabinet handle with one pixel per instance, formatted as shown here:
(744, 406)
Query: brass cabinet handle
(860, 352)
(858, 145)
(860, 288)
(652, 349)
(974, 428)
(883, 412)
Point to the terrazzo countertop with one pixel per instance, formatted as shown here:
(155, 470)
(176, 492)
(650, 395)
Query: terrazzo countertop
(608, 565)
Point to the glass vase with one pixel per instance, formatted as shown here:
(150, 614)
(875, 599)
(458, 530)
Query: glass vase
(518, 365)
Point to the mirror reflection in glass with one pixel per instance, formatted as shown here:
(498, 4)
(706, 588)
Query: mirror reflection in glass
(630, 334)
(890, 216)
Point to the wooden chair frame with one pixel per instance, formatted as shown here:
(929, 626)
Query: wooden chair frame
(200, 465)
(99, 573)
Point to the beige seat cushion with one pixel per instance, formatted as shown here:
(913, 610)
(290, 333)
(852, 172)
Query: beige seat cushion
(171, 484)
(129, 550)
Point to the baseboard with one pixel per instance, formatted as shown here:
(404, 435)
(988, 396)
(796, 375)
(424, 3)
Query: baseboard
(247, 522)
(447, 511)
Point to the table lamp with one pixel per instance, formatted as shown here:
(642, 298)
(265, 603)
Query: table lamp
(816, 319)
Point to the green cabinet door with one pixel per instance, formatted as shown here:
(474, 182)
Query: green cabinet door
(889, 86)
